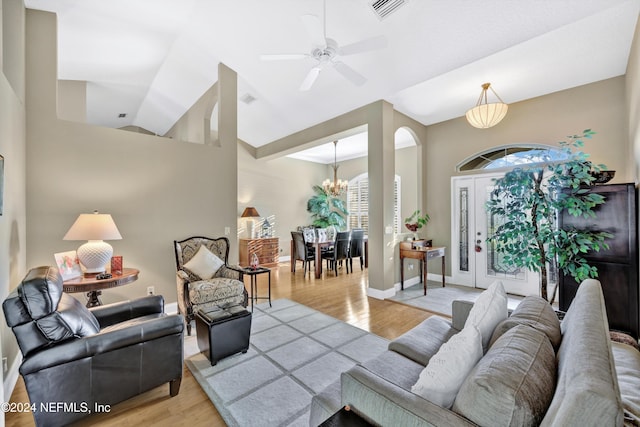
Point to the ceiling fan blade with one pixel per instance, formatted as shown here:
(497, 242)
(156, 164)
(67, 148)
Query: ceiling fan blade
(314, 28)
(349, 73)
(310, 79)
(366, 45)
(281, 56)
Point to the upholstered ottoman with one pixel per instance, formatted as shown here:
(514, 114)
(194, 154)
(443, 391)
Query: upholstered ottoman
(222, 331)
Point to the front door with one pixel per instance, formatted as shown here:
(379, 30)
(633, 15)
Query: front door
(475, 263)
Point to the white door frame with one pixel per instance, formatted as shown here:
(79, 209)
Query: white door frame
(467, 229)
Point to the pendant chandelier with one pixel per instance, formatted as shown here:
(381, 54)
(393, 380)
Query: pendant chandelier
(337, 186)
(485, 115)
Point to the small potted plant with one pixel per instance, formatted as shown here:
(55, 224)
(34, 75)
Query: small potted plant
(416, 221)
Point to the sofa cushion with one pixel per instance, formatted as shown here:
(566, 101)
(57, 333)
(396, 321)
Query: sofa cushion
(216, 289)
(395, 368)
(533, 311)
(587, 392)
(379, 391)
(440, 380)
(627, 359)
(424, 340)
(513, 384)
(204, 263)
(325, 404)
(489, 309)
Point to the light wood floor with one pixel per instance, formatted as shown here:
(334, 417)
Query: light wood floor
(343, 297)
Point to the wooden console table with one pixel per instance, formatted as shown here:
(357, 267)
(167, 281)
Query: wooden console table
(93, 287)
(423, 254)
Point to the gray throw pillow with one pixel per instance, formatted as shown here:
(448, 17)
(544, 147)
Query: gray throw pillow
(513, 384)
(535, 312)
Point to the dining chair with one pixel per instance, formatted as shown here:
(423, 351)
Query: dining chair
(356, 247)
(339, 252)
(309, 234)
(322, 234)
(302, 252)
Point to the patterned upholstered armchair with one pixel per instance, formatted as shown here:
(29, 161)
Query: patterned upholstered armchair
(203, 276)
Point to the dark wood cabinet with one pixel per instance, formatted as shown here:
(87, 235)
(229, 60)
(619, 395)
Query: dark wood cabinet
(617, 266)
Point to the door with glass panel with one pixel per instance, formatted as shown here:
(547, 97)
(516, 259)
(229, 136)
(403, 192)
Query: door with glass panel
(474, 260)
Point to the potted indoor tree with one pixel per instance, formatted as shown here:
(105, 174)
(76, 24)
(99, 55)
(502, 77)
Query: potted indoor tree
(527, 202)
(327, 210)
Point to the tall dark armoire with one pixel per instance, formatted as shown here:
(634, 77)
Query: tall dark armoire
(617, 266)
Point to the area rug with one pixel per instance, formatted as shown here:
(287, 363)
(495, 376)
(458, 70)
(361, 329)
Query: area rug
(438, 299)
(295, 352)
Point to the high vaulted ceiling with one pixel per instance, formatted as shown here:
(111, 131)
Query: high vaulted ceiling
(152, 59)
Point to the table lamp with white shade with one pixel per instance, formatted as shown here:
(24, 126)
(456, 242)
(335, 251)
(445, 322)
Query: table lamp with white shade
(96, 253)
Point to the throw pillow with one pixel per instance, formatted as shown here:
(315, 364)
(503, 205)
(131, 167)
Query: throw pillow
(489, 309)
(204, 263)
(440, 380)
(533, 311)
(513, 384)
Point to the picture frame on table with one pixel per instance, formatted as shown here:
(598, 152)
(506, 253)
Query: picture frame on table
(68, 264)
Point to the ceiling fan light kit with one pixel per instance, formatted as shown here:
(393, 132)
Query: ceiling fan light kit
(485, 115)
(326, 52)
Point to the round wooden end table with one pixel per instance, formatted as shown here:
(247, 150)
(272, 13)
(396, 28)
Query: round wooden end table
(93, 287)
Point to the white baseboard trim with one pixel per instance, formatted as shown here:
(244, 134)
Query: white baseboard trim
(171, 308)
(378, 294)
(284, 258)
(11, 377)
(430, 276)
(407, 283)
(438, 278)
(388, 293)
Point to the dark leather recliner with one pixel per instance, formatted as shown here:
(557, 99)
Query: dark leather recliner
(85, 358)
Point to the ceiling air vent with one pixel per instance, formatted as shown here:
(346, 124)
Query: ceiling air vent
(384, 8)
(247, 98)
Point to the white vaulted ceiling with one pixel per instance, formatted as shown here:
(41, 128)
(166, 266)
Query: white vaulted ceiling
(152, 59)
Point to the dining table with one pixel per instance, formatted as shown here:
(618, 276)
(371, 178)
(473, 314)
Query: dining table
(318, 245)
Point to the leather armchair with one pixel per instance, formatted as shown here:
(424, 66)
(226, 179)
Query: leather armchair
(84, 357)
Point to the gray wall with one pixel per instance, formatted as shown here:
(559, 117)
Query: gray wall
(406, 167)
(156, 189)
(13, 247)
(278, 189)
(544, 120)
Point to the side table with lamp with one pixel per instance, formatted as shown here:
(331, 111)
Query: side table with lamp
(94, 286)
(95, 228)
(94, 256)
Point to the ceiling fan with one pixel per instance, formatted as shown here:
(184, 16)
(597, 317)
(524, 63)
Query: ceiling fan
(326, 52)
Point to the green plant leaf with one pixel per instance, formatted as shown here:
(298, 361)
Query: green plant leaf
(528, 199)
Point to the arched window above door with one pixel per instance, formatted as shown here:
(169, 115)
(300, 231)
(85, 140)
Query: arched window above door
(510, 156)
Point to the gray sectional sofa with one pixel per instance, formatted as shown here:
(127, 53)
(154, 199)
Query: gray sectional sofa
(533, 373)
